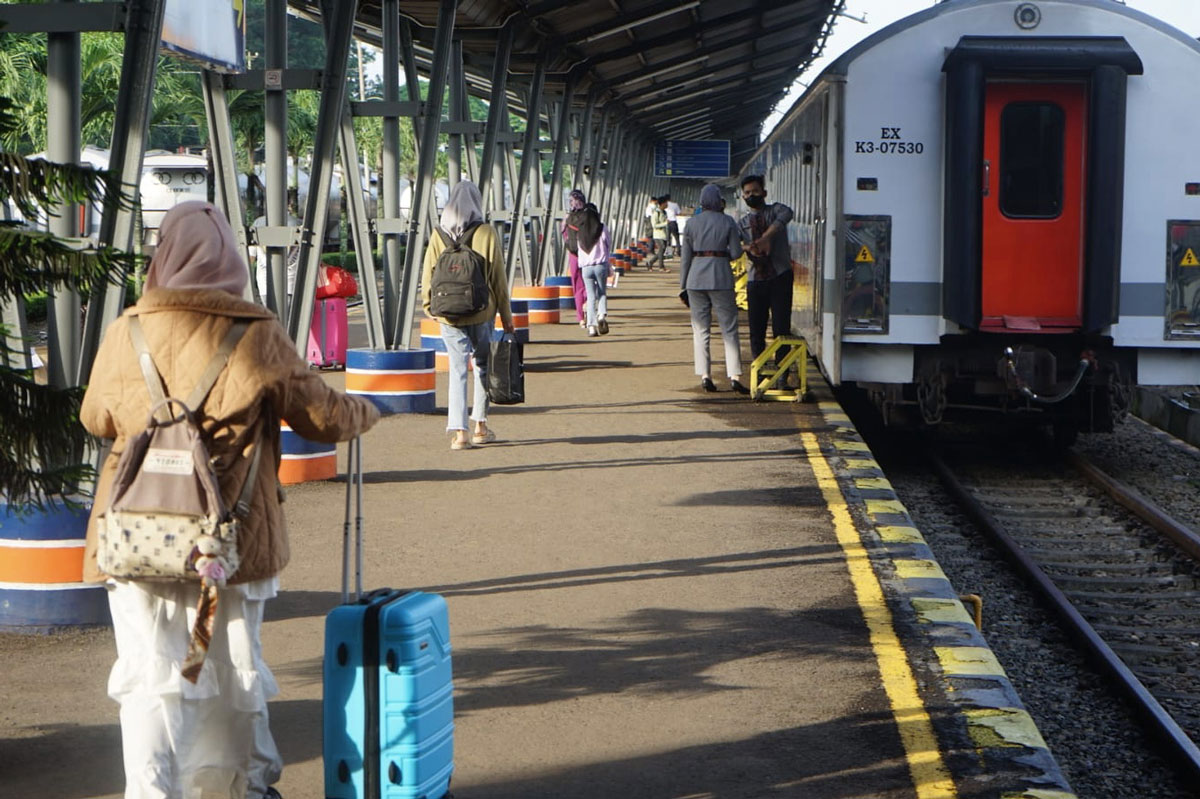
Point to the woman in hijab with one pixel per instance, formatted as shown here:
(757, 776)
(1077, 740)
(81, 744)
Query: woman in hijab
(594, 243)
(711, 241)
(202, 728)
(463, 213)
(576, 201)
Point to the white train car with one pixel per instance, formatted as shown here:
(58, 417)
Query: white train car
(167, 180)
(998, 208)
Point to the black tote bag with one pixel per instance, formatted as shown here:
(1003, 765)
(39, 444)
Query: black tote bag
(506, 372)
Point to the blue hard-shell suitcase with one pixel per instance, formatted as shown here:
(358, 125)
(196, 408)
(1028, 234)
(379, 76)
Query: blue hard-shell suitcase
(388, 705)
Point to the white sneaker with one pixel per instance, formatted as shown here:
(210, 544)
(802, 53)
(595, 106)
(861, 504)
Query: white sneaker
(592, 332)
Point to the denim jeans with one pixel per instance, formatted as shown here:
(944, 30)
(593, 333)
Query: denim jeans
(594, 278)
(460, 341)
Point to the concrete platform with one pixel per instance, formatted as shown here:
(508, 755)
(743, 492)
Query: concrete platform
(654, 592)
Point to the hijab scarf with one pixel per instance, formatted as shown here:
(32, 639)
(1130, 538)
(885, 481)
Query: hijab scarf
(464, 208)
(196, 250)
(583, 220)
(576, 200)
(710, 197)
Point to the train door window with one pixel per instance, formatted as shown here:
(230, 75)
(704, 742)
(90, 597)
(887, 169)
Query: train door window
(1183, 280)
(866, 278)
(1031, 160)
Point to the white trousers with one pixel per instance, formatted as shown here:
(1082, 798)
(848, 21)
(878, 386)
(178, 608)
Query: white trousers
(702, 304)
(208, 740)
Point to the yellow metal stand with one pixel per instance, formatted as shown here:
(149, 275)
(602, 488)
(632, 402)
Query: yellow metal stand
(765, 376)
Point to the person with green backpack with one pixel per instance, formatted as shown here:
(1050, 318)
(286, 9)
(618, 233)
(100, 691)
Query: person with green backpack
(463, 286)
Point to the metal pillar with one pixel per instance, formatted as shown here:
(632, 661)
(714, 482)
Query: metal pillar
(338, 19)
(220, 147)
(585, 140)
(616, 150)
(603, 137)
(454, 151)
(554, 201)
(471, 129)
(521, 243)
(529, 156)
(63, 89)
(360, 228)
(423, 189)
(389, 184)
(275, 141)
(412, 79)
(497, 114)
(130, 130)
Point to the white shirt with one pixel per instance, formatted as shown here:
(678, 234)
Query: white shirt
(672, 210)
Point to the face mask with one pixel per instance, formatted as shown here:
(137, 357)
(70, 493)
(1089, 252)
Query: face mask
(755, 200)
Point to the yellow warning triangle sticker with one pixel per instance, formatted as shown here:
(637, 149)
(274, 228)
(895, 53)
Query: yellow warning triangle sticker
(865, 257)
(1189, 258)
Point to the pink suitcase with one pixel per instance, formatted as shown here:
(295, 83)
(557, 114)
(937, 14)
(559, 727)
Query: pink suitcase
(327, 334)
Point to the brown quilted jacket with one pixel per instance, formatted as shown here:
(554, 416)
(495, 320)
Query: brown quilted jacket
(263, 382)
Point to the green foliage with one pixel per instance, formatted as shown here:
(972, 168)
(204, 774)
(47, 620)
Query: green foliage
(34, 420)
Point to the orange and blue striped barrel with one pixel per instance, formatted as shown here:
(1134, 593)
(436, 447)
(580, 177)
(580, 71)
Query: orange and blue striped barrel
(566, 297)
(520, 314)
(41, 571)
(543, 303)
(397, 381)
(431, 339)
(303, 461)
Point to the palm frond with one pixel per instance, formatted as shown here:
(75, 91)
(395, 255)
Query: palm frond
(33, 184)
(31, 260)
(40, 438)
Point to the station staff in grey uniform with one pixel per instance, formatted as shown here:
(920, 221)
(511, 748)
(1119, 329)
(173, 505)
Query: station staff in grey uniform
(710, 241)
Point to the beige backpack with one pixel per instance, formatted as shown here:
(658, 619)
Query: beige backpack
(166, 519)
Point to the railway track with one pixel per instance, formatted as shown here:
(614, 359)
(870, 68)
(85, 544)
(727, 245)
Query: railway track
(1128, 596)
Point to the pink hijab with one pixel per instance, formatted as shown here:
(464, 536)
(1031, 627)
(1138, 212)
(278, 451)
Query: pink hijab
(196, 251)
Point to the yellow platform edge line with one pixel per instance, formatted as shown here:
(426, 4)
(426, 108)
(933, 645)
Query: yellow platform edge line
(931, 779)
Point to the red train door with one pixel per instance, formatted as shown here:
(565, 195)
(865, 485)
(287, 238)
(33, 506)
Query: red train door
(1034, 156)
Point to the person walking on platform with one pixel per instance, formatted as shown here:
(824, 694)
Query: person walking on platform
(194, 712)
(710, 241)
(594, 247)
(463, 214)
(769, 289)
(672, 210)
(658, 224)
(570, 231)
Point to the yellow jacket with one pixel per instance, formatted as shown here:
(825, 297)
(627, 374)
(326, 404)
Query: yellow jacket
(485, 242)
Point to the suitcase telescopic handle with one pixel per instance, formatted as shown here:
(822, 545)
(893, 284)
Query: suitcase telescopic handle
(354, 481)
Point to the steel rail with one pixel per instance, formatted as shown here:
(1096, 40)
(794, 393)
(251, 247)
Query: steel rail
(1180, 747)
(1183, 536)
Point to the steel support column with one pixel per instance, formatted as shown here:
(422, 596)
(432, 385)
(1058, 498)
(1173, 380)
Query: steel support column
(275, 144)
(497, 114)
(130, 131)
(423, 191)
(554, 202)
(596, 160)
(454, 153)
(389, 185)
(63, 89)
(585, 141)
(338, 19)
(224, 160)
(360, 229)
(529, 157)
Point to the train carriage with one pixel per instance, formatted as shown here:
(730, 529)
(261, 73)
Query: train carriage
(998, 208)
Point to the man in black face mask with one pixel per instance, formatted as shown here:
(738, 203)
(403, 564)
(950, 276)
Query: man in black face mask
(769, 288)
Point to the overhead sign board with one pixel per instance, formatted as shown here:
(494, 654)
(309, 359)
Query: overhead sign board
(691, 158)
(212, 32)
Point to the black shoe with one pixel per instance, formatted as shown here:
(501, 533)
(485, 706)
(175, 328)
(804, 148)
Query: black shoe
(271, 793)
(708, 384)
(737, 386)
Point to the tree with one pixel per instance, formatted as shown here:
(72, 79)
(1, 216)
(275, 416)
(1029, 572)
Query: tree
(39, 423)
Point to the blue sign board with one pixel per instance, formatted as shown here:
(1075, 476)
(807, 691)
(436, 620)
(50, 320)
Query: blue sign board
(691, 158)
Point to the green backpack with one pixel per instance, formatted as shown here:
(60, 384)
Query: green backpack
(458, 287)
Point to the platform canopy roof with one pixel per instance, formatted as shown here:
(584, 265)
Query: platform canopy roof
(703, 69)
